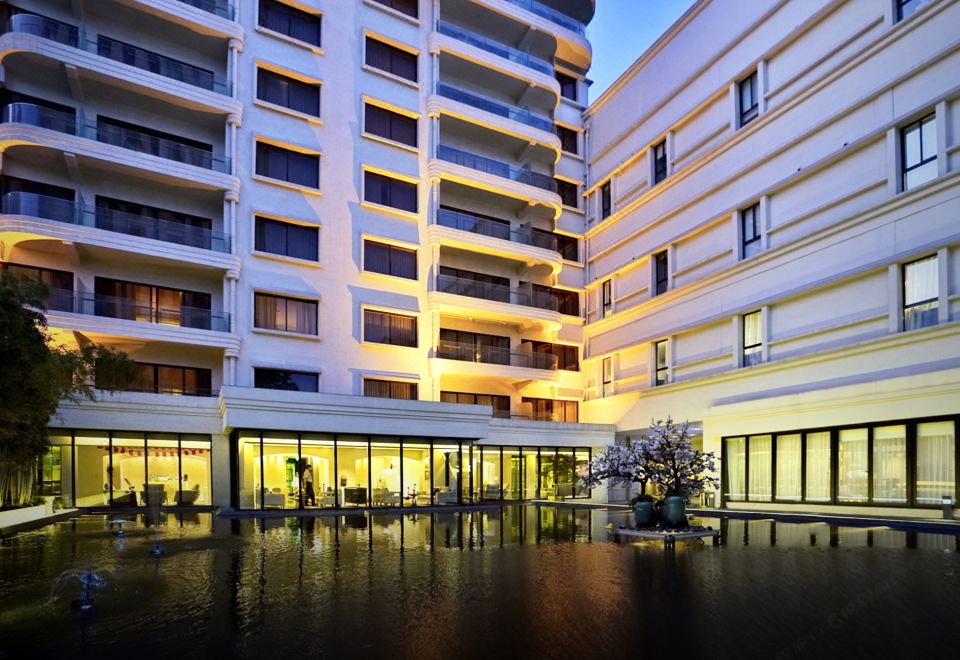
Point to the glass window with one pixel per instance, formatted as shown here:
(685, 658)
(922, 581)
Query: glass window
(387, 328)
(564, 475)
(749, 107)
(389, 260)
(789, 467)
(889, 465)
(390, 125)
(582, 468)
(606, 384)
(195, 455)
(390, 389)
(735, 473)
(385, 473)
(288, 165)
(60, 479)
(416, 472)
(446, 473)
(391, 59)
(606, 299)
(752, 339)
(531, 473)
(408, 7)
(59, 283)
(512, 473)
(661, 272)
(750, 231)
(162, 487)
(659, 154)
(921, 292)
(285, 314)
(568, 86)
(551, 410)
(290, 21)
(568, 247)
(380, 189)
(760, 468)
(818, 467)
(918, 152)
(280, 379)
(288, 92)
(248, 460)
(129, 470)
(281, 481)
(936, 462)
(569, 193)
(852, 466)
(568, 138)
(167, 379)
(606, 201)
(662, 374)
(287, 239)
(490, 464)
(499, 402)
(316, 477)
(352, 467)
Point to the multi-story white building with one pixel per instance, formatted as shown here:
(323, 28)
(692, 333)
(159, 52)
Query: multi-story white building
(367, 255)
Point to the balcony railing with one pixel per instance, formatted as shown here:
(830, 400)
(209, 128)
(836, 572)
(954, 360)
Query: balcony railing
(551, 14)
(61, 210)
(141, 58)
(115, 307)
(486, 227)
(452, 350)
(521, 115)
(222, 8)
(526, 296)
(63, 122)
(495, 47)
(495, 167)
(178, 391)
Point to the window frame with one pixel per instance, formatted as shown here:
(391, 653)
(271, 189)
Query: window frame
(394, 52)
(390, 181)
(373, 310)
(905, 307)
(657, 369)
(277, 370)
(287, 299)
(414, 385)
(606, 376)
(747, 115)
(606, 298)
(291, 12)
(566, 135)
(756, 241)
(270, 146)
(391, 248)
(568, 82)
(389, 5)
(661, 261)
(268, 71)
(746, 359)
(904, 168)
(606, 199)
(392, 115)
(658, 174)
(259, 218)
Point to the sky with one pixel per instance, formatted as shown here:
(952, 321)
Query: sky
(622, 30)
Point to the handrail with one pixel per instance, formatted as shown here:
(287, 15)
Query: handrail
(221, 8)
(117, 307)
(498, 108)
(525, 296)
(475, 224)
(493, 46)
(62, 210)
(495, 167)
(551, 14)
(467, 352)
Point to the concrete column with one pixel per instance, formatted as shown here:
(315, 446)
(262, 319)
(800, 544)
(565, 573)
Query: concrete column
(230, 200)
(230, 357)
(233, 57)
(233, 122)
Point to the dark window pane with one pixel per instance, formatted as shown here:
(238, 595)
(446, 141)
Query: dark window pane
(606, 201)
(276, 379)
(408, 7)
(390, 125)
(386, 328)
(569, 194)
(568, 139)
(389, 260)
(568, 86)
(390, 389)
(287, 165)
(380, 189)
(287, 314)
(288, 92)
(659, 162)
(391, 59)
(290, 21)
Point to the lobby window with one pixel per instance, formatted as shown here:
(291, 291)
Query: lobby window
(606, 299)
(288, 165)
(282, 379)
(499, 402)
(167, 379)
(284, 314)
(391, 59)
(290, 21)
(552, 410)
(387, 328)
(752, 339)
(749, 106)
(918, 152)
(568, 139)
(907, 8)
(606, 201)
(288, 92)
(390, 125)
(407, 7)
(390, 389)
(606, 377)
(661, 272)
(750, 231)
(662, 362)
(389, 260)
(569, 195)
(568, 86)
(659, 157)
(921, 293)
(286, 239)
(383, 190)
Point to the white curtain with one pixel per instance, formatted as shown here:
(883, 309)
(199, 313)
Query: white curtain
(788, 467)
(761, 473)
(936, 472)
(734, 488)
(852, 464)
(818, 467)
(890, 464)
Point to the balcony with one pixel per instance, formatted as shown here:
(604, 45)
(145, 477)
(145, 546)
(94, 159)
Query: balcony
(525, 296)
(60, 210)
(476, 224)
(69, 35)
(62, 122)
(114, 307)
(466, 352)
(496, 168)
(495, 47)
(552, 15)
(521, 115)
(221, 8)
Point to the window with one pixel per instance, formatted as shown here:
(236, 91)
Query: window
(567, 357)
(380, 189)
(408, 7)
(474, 347)
(747, 95)
(907, 8)
(280, 379)
(569, 193)
(750, 231)
(157, 143)
(290, 21)
(391, 59)
(606, 201)
(759, 462)
(288, 165)
(167, 379)
(386, 328)
(568, 247)
(285, 314)
(154, 304)
(153, 222)
(606, 299)
(853, 467)
(288, 92)
(568, 139)
(789, 467)
(568, 86)
(935, 470)
(59, 283)
(286, 239)
(390, 389)
(752, 339)
(499, 402)
(551, 410)
(606, 377)
(661, 272)
(659, 152)
(918, 152)
(921, 293)
(662, 368)
(734, 464)
(389, 260)
(390, 125)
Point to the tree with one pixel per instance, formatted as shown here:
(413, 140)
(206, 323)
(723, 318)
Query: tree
(35, 376)
(622, 465)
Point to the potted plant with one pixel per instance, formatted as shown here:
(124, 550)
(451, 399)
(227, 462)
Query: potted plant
(677, 470)
(625, 465)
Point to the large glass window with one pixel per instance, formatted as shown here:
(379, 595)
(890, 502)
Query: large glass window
(446, 473)
(569, 193)
(57, 470)
(387, 328)
(568, 138)
(760, 463)
(936, 457)
(287, 239)
(564, 475)
(389, 259)
(390, 125)
(387, 191)
(852, 466)
(281, 379)
(352, 469)
(921, 292)
(416, 472)
(290, 21)
(168, 379)
(391, 59)
(390, 389)
(735, 469)
(316, 471)
(531, 473)
(582, 457)
(789, 467)
(163, 470)
(195, 455)
(288, 165)
(490, 464)
(752, 339)
(512, 473)
(288, 92)
(59, 283)
(385, 473)
(281, 481)
(248, 471)
(285, 314)
(918, 152)
(889, 470)
(818, 474)
(128, 468)
(499, 402)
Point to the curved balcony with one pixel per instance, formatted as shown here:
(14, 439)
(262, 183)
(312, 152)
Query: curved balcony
(570, 30)
(496, 167)
(553, 15)
(513, 113)
(466, 298)
(221, 8)
(497, 48)
(489, 361)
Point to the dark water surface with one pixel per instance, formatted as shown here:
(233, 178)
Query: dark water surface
(513, 582)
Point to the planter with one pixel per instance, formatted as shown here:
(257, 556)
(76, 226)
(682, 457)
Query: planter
(643, 514)
(12, 517)
(672, 513)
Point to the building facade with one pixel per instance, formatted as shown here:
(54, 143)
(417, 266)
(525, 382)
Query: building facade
(381, 253)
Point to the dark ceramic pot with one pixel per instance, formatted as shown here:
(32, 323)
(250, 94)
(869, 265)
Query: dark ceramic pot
(643, 514)
(672, 513)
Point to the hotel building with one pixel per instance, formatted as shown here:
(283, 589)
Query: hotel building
(381, 253)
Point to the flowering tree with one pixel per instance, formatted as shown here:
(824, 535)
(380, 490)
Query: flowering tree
(622, 465)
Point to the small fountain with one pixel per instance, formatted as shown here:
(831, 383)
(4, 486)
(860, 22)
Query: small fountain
(89, 582)
(119, 522)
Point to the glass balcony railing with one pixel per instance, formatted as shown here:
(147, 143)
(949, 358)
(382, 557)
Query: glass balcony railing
(61, 210)
(495, 167)
(487, 227)
(63, 122)
(525, 296)
(466, 352)
(492, 46)
(552, 15)
(140, 58)
(498, 108)
(222, 8)
(115, 307)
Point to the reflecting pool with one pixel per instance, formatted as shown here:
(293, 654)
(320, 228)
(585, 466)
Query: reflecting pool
(500, 582)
